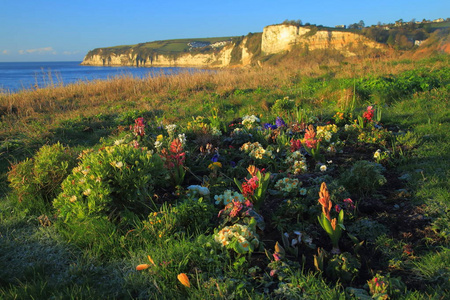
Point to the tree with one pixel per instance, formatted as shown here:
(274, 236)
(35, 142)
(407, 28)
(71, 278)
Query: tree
(361, 24)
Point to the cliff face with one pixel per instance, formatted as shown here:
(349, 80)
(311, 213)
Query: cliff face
(217, 58)
(131, 58)
(241, 52)
(278, 38)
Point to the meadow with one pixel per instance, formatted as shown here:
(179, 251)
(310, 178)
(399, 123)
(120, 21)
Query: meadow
(313, 177)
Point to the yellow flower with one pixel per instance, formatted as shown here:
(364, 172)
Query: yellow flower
(182, 277)
(215, 165)
(159, 138)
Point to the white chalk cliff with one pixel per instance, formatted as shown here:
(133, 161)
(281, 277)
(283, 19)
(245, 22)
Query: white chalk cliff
(275, 39)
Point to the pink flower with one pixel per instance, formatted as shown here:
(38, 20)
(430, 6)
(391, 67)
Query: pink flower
(276, 256)
(349, 203)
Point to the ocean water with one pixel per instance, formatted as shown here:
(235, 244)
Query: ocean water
(16, 76)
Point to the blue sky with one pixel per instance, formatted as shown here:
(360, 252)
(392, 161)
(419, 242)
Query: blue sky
(64, 30)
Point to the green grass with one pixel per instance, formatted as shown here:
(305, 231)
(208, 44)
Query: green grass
(43, 262)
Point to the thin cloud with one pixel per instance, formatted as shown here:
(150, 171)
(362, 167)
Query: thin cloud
(5, 52)
(38, 51)
(70, 52)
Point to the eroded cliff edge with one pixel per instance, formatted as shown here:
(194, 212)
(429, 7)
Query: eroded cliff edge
(238, 51)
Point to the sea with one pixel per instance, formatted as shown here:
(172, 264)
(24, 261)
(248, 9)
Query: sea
(17, 76)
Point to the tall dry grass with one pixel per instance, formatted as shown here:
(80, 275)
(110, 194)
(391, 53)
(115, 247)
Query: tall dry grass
(48, 106)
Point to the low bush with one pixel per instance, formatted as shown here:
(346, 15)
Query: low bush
(37, 180)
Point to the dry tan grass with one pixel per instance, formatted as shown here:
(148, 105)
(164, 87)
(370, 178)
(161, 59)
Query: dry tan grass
(158, 92)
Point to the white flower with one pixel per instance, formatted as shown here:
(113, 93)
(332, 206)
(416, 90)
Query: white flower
(171, 128)
(182, 138)
(158, 144)
(118, 142)
(323, 168)
(215, 131)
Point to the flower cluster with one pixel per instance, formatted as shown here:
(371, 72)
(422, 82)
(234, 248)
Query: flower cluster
(250, 121)
(296, 162)
(198, 189)
(175, 156)
(171, 129)
(326, 132)
(249, 186)
(368, 114)
(287, 184)
(310, 139)
(139, 127)
(228, 196)
(256, 151)
(238, 237)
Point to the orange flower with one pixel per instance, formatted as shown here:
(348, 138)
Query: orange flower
(325, 201)
(333, 223)
(252, 170)
(145, 266)
(151, 260)
(182, 277)
(142, 267)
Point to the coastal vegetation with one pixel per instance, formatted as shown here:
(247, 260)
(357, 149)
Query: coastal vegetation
(313, 176)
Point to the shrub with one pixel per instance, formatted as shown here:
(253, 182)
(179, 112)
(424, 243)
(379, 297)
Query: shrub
(363, 178)
(39, 178)
(109, 182)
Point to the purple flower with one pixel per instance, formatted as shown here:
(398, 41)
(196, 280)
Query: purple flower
(269, 126)
(232, 164)
(280, 122)
(215, 158)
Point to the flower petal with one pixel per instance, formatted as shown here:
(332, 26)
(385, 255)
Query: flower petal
(182, 277)
(142, 267)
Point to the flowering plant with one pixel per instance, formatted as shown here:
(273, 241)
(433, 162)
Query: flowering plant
(378, 287)
(241, 211)
(139, 127)
(381, 156)
(326, 132)
(228, 197)
(333, 226)
(311, 143)
(174, 161)
(288, 185)
(240, 238)
(296, 163)
(257, 151)
(250, 121)
(255, 188)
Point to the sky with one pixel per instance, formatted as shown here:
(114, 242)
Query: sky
(65, 30)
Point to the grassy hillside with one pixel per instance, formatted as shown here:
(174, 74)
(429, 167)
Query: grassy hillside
(117, 189)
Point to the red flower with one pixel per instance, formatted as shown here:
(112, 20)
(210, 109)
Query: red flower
(139, 127)
(295, 145)
(368, 114)
(249, 187)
